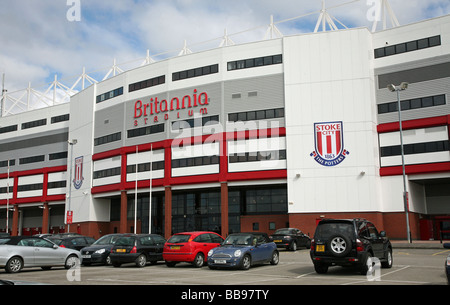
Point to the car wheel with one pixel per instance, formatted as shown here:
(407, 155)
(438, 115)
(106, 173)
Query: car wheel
(320, 268)
(116, 264)
(275, 258)
(246, 262)
(141, 261)
(108, 261)
(199, 260)
(389, 259)
(339, 245)
(308, 244)
(15, 264)
(294, 246)
(71, 261)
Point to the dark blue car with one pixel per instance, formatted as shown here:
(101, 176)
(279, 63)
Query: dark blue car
(242, 250)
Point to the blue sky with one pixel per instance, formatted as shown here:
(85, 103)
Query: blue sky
(38, 40)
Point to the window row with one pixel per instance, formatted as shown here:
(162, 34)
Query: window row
(4, 190)
(145, 167)
(57, 184)
(33, 187)
(257, 156)
(37, 123)
(255, 62)
(132, 133)
(408, 46)
(33, 124)
(416, 148)
(106, 173)
(195, 161)
(256, 115)
(5, 163)
(30, 187)
(34, 159)
(415, 103)
(195, 122)
(155, 81)
(195, 72)
(108, 139)
(109, 95)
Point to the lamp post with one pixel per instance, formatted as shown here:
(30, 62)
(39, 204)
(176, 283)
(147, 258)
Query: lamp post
(71, 143)
(403, 86)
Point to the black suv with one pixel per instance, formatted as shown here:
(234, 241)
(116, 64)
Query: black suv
(347, 242)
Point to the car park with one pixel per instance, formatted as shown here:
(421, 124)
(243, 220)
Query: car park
(191, 247)
(98, 252)
(290, 238)
(447, 263)
(242, 250)
(349, 242)
(76, 242)
(138, 249)
(19, 252)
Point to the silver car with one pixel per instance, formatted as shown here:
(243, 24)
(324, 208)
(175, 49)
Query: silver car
(17, 252)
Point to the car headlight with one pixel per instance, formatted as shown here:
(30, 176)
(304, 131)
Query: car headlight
(210, 253)
(448, 261)
(237, 253)
(100, 251)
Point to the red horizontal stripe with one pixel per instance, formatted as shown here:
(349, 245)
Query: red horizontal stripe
(414, 124)
(416, 169)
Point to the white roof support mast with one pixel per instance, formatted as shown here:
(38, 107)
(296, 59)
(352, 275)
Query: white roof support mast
(325, 18)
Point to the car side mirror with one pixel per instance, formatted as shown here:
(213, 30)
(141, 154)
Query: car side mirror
(383, 233)
(55, 246)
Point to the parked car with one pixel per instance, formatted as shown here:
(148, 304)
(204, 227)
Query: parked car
(99, 251)
(191, 247)
(19, 252)
(138, 249)
(447, 264)
(242, 250)
(349, 242)
(76, 242)
(290, 238)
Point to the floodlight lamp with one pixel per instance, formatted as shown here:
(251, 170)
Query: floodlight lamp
(404, 85)
(392, 88)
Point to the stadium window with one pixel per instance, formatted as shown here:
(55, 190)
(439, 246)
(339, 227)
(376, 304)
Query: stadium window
(409, 46)
(109, 95)
(416, 103)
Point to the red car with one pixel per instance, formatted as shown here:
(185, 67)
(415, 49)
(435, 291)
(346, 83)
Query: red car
(191, 247)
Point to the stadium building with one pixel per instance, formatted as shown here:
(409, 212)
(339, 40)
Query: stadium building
(250, 137)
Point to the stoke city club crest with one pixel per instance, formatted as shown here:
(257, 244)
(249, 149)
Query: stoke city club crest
(329, 143)
(78, 177)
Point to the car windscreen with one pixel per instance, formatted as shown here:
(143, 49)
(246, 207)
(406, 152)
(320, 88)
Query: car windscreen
(57, 241)
(179, 238)
(4, 240)
(327, 230)
(239, 240)
(126, 241)
(283, 231)
(107, 240)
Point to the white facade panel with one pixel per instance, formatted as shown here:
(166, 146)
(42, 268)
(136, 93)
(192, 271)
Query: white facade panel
(320, 88)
